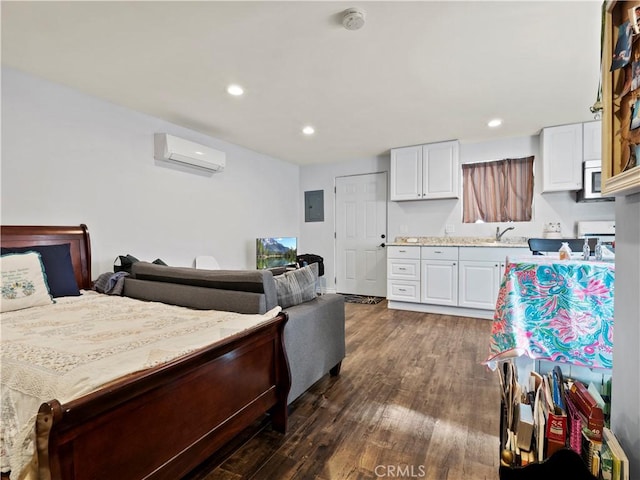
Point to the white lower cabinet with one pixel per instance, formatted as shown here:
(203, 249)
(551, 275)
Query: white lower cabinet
(465, 277)
(439, 277)
(481, 271)
(479, 283)
(439, 282)
(403, 273)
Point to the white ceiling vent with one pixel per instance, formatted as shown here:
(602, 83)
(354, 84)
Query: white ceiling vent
(353, 19)
(178, 150)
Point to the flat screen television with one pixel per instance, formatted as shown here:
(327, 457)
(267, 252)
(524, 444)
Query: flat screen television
(276, 252)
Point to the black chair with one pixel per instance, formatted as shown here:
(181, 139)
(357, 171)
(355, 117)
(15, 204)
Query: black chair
(538, 245)
(309, 258)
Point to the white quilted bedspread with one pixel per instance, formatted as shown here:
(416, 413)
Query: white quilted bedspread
(71, 348)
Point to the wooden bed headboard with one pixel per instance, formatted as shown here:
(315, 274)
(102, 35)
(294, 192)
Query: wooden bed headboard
(77, 236)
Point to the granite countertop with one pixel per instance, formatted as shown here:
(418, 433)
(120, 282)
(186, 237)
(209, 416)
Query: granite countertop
(460, 242)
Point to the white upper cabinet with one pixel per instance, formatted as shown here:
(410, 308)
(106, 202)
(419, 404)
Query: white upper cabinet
(592, 140)
(562, 158)
(440, 176)
(406, 173)
(424, 172)
(564, 148)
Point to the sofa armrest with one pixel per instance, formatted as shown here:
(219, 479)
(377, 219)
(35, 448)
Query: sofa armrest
(314, 339)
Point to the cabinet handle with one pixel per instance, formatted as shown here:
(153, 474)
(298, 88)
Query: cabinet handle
(454, 263)
(402, 251)
(496, 265)
(401, 268)
(437, 251)
(402, 289)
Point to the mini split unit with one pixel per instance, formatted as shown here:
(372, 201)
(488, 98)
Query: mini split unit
(178, 150)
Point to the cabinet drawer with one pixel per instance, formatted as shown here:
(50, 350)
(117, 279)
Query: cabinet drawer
(492, 254)
(411, 251)
(439, 253)
(403, 291)
(400, 269)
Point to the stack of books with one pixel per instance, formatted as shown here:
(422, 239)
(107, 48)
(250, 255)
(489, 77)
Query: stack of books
(551, 414)
(614, 464)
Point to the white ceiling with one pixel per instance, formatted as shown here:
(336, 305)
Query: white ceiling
(417, 72)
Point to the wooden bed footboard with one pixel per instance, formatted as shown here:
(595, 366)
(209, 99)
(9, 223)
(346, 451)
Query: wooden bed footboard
(164, 422)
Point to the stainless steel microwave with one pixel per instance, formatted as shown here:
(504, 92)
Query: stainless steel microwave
(591, 179)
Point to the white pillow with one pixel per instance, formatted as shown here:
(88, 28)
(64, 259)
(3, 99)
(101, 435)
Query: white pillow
(23, 283)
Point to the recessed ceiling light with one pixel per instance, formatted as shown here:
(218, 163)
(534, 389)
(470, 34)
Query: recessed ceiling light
(496, 122)
(235, 90)
(308, 130)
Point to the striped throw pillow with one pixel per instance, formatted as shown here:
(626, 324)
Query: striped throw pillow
(297, 286)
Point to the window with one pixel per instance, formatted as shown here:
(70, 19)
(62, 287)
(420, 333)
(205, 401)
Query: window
(499, 191)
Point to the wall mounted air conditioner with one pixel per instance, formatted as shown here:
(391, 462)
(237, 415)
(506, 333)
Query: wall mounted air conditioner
(174, 149)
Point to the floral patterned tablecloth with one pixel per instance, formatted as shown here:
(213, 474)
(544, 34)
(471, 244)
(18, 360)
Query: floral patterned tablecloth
(555, 310)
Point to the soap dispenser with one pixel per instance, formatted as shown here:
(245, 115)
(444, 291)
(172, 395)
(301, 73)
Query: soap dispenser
(565, 251)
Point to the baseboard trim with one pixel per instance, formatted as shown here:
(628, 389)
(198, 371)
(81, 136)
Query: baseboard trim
(441, 309)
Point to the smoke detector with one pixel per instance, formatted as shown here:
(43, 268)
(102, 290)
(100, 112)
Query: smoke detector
(353, 19)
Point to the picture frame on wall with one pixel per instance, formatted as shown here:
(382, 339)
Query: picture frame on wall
(621, 108)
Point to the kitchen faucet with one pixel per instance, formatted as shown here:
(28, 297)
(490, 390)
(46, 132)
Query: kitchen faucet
(500, 234)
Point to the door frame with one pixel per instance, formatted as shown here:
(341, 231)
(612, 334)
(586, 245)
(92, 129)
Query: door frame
(335, 220)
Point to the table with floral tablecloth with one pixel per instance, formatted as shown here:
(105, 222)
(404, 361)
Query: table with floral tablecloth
(555, 310)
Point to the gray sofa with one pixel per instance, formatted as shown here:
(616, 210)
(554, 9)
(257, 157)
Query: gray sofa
(314, 334)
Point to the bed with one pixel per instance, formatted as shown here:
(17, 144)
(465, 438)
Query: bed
(163, 421)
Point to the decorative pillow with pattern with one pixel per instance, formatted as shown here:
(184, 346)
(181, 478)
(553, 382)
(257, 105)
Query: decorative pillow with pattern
(297, 286)
(58, 267)
(23, 282)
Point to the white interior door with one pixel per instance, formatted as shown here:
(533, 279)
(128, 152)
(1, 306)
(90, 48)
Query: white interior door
(361, 230)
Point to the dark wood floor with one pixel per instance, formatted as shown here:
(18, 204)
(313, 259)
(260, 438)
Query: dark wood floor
(412, 401)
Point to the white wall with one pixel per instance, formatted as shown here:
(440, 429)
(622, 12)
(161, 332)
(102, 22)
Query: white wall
(429, 217)
(317, 237)
(625, 397)
(68, 158)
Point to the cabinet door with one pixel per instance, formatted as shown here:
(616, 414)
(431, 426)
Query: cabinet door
(562, 158)
(479, 282)
(406, 173)
(440, 176)
(439, 282)
(592, 141)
